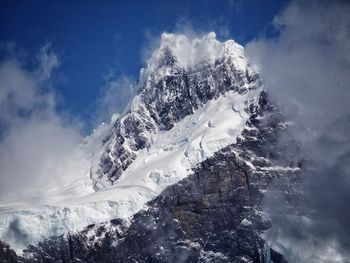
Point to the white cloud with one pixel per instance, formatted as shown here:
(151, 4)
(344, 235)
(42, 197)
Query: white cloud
(115, 95)
(306, 69)
(38, 146)
(309, 61)
(187, 34)
(48, 61)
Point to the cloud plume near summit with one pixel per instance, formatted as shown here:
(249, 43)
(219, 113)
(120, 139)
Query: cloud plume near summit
(305, 69)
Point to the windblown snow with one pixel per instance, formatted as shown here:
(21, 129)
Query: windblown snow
(194, 51)
(75, 204)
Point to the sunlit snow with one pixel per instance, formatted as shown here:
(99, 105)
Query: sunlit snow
(74, 204)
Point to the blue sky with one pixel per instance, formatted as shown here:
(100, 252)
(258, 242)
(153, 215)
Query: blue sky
(92, 40)
(305, 68)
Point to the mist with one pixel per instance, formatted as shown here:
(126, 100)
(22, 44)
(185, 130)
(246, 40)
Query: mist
(115, 95)
(38, 145)
(305, 68)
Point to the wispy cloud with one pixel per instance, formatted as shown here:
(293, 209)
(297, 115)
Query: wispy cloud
(306, 69)
(114, 96)
(38, 146)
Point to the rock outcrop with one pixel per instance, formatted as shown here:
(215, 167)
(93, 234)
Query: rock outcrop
(214, 215)
(170, 91)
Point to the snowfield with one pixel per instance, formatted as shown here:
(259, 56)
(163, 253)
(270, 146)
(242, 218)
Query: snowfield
(75, 204)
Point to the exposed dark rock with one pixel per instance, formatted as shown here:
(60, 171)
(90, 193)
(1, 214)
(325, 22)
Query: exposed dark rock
(163, 101)
(214, 215)
(7, 255)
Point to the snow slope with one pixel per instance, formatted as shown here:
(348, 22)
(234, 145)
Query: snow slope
(171, 88)
(170, 157)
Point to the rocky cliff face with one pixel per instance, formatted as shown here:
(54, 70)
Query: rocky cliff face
(194, 100)
(169, 91)
(214, 215)
(7, 255)
(201, 139)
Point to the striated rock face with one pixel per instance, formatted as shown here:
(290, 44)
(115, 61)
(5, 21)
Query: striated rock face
(195, 98)
(212, 173)
(169, 91)
(129, 134)
(214, 215)
(7, 255)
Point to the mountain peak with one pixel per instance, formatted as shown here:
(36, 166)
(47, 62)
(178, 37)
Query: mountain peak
(182, 76)
(186, 52)
(195, 97)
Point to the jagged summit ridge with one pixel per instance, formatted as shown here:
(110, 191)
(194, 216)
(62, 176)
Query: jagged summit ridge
(189, 52)
(182, 75)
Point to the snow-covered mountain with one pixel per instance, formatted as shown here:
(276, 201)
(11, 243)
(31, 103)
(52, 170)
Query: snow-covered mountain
(175, 112)
(197, 97)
